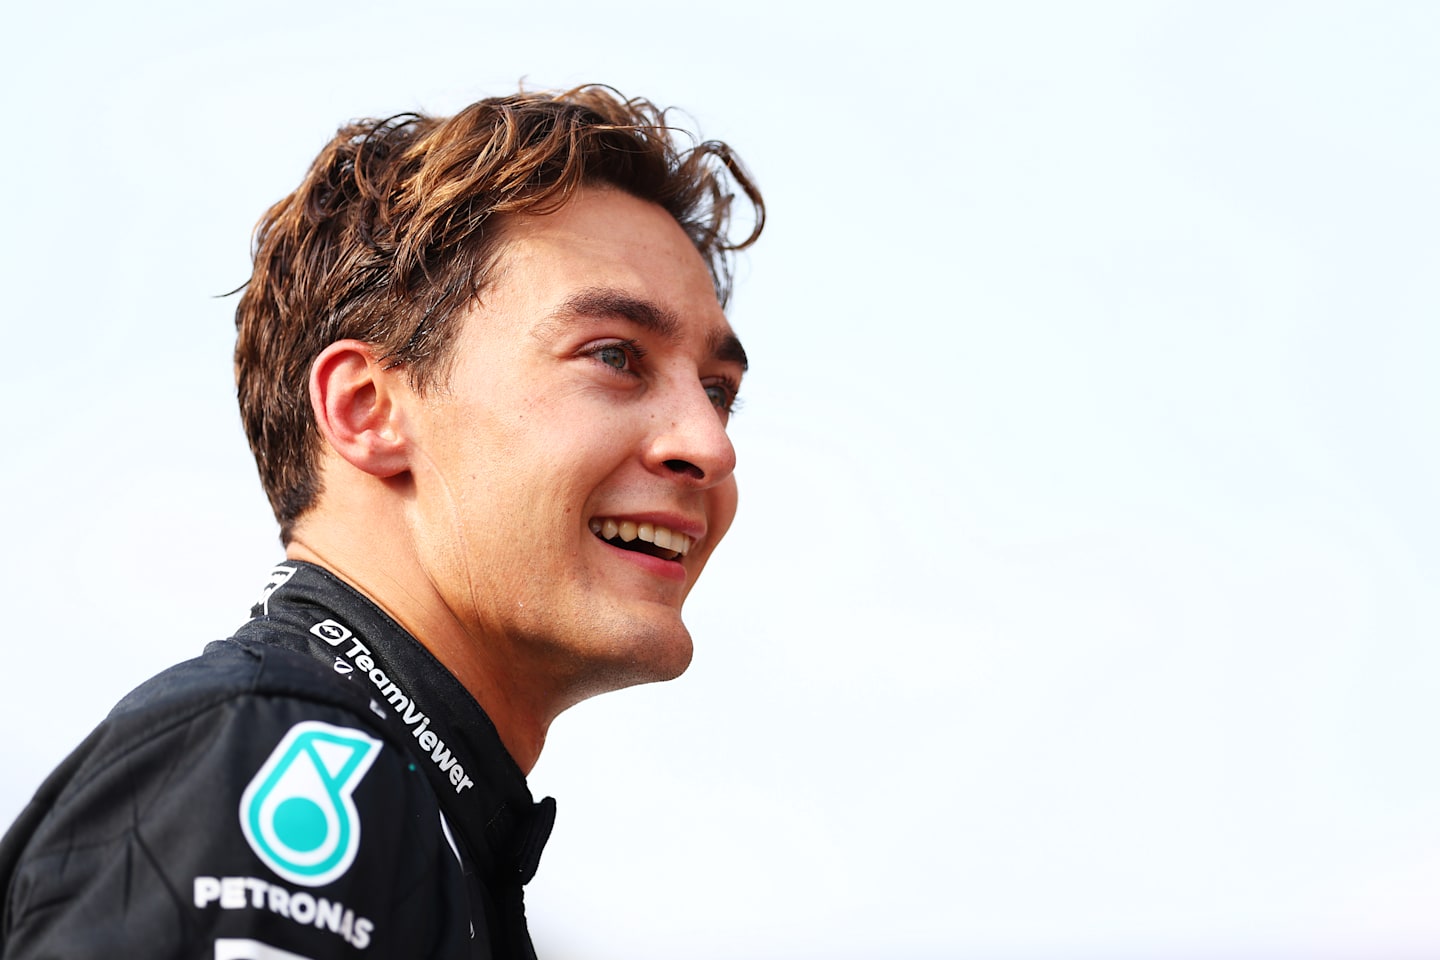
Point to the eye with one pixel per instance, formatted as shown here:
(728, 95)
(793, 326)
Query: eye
(722, 395)
(621, 356)
(613, 355)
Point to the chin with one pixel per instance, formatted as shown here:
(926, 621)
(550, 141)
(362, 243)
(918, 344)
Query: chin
(651, 656)
(676, 663)
(656, 658)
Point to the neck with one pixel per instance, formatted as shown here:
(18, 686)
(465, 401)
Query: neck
(387, 571)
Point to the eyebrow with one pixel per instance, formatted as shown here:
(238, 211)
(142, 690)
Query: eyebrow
(604, 302)
(726, 346)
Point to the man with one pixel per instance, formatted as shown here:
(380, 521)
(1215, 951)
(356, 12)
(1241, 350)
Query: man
(484, 368)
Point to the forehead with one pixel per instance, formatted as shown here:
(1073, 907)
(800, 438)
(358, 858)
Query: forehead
(606, 246)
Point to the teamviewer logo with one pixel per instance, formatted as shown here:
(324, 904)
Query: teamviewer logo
(331, 632)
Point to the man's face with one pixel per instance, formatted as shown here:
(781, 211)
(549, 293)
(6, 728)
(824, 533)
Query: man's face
(578, 444)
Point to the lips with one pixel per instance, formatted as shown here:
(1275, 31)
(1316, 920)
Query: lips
(652, 538)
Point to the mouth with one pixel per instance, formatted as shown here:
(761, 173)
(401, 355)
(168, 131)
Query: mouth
(649, 538)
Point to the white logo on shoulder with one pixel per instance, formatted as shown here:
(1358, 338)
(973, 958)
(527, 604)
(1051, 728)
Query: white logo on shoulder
(297, 813)
(332, 632)
(278, 578)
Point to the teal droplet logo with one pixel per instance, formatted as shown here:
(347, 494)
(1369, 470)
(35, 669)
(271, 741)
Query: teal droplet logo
(297, 812)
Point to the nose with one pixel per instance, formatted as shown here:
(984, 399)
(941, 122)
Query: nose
(690, 442)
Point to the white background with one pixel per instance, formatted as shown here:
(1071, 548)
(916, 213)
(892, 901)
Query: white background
(1083, 598)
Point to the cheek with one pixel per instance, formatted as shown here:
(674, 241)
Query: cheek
(719, 514)
(724, 500)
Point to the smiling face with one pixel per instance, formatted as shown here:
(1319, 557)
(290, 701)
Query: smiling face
(572, 477)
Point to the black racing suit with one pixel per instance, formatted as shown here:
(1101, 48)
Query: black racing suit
(318, 785)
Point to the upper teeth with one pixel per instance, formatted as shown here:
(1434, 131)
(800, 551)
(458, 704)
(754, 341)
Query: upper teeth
(628, 530)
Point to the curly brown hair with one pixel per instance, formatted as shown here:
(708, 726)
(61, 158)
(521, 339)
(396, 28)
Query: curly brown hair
(394, 232)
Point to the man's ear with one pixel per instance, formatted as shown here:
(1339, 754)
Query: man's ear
(357, 408)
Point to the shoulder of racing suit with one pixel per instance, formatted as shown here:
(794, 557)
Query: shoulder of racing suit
(219, 811)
